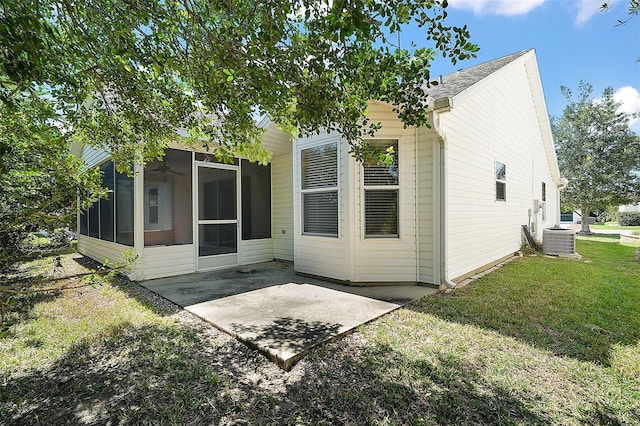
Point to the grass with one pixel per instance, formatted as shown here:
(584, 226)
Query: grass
(539, 341)
(614, 226)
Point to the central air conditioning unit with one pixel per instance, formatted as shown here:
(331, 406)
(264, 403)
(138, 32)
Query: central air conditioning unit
(559, 242)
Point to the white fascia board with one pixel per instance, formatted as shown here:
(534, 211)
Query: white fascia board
(535, 83)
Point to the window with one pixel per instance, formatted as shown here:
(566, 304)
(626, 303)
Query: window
(501, 181)
(84, 230)
(381, 188)
(158, 199)
(124, 209)
(256, 201)
(111, 218)
(107, 204)
(94, 220)
(168, 213)
(544, 191)
(320, 190)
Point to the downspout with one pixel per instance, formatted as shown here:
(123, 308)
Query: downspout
(417, 203)
(444, 272)
(442, 105)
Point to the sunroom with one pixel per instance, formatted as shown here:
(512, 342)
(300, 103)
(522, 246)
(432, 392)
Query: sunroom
(189, 212)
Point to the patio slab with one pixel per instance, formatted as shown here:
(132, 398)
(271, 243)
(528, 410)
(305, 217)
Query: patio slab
(286, 321)
(270, 308)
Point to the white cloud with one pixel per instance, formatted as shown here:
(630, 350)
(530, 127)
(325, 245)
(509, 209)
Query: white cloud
(629, 97)
(497, 7)
(586, 9)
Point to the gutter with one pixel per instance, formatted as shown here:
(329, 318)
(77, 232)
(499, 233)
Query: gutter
(440, 106)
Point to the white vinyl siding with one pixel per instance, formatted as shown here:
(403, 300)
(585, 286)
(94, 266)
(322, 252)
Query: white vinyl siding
(387, 259)
(256, 251)
(428, 214)
(327, 257)
(276, 141)
(351, 256)
(166, 261)
(100, 250)
(282, 205)
(495, 120)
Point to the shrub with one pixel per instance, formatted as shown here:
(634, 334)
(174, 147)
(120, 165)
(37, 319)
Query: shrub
(629, 218)
(608, 215)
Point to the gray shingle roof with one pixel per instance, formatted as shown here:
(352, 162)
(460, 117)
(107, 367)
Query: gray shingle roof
(459, 81)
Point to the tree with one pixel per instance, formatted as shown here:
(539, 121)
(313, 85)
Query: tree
(633, 9)
(597, 152)
(124, 74)
(39, 177)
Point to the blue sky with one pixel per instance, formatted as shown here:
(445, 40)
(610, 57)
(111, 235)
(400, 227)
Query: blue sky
(573, 40)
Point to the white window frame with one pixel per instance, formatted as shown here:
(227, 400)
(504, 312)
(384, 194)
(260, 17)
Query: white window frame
(164, 207)
(372, 188)
(320, 190)
(502, 181)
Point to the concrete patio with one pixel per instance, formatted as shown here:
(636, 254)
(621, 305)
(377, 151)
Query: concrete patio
(270, 308)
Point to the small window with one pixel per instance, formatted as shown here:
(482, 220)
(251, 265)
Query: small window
(544, 191)
(381, 188)
(501, 181)
(319, 182)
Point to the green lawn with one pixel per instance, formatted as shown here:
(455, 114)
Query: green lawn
(539, 341)
(614, 226)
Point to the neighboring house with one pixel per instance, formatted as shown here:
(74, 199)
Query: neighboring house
(452, 203)
(573, 217)
(629, 208)
(569, 217)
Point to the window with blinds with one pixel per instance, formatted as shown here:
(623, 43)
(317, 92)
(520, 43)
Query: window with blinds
(319, 182)
(381, 188)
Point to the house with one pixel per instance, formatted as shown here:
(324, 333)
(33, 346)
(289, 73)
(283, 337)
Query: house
(629, 208)
(452, 202)
(574, 217)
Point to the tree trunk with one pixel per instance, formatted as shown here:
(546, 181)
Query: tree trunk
(585, 229)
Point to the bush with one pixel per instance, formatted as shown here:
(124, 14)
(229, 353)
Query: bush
(629, 218)
(609, 215)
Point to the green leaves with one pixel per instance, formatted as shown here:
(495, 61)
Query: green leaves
(597, 151)
(123, 75)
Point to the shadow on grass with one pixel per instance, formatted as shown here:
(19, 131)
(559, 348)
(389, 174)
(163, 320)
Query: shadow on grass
(166, 373)
(127, 375)
(133, 290)
(381, 385)
(171, 375)
(580, 309)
